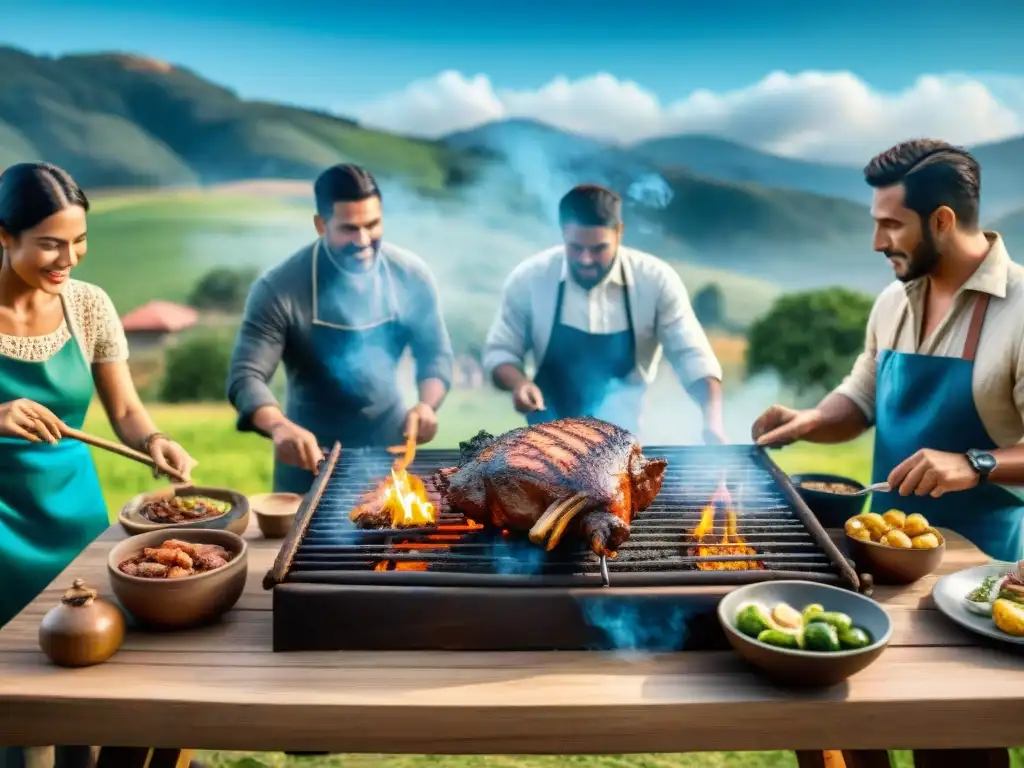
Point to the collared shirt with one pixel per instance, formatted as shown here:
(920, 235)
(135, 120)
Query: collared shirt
(998, 381)
(663, 319)
(279, 315)
(602, 309)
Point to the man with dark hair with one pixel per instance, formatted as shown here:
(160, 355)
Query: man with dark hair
(340, 313)
(942, 374)
(596, 317)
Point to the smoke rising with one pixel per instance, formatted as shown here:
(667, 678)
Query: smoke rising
(637, 624)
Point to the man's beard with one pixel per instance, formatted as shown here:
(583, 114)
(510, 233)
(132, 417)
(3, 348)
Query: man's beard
(592, 275)
(353, 257)
(922, 262)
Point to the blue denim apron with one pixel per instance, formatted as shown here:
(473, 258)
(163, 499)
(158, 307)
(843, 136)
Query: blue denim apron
(348, 390)
(924, 401)
(51, 503)
(584, 374)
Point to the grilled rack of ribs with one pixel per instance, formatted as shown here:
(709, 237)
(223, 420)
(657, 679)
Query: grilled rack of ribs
(580, 476)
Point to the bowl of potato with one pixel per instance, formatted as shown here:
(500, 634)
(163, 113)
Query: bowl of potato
(895, 548)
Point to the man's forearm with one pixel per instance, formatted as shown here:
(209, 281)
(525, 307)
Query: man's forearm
(433, 392)
(1009, 466)
(508, 376)
(707, 393)
(266, 418)
(839, 420)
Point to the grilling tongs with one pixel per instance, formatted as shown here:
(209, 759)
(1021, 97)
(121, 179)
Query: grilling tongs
(118, 448)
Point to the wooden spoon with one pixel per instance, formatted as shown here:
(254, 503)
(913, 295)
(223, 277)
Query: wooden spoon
(118, 448)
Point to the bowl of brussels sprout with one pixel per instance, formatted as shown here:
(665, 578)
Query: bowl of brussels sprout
(804, 633)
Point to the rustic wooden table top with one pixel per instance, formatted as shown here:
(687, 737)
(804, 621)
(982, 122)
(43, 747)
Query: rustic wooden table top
(222, 687)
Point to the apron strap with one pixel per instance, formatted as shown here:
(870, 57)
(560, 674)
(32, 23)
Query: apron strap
(974, 330)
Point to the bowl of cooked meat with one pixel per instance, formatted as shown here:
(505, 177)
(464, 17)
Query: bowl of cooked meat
(829, 497)
(803, 633)
(186, 507)
(173, 579)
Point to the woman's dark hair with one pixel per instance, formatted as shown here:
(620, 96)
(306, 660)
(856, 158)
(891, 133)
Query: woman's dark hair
(31, 192)
(344, 183)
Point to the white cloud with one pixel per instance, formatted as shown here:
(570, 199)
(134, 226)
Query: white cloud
(823, 115)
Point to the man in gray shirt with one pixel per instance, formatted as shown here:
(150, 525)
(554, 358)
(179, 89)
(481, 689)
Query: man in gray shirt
(340, 313)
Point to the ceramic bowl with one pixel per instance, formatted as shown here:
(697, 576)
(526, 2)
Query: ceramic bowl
(275, 512)
(831, 509)
(892, 565)
(184, 602)
(235, 519)
(800, 667)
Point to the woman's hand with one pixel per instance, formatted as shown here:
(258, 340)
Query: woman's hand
(171, 459)
(29, 421)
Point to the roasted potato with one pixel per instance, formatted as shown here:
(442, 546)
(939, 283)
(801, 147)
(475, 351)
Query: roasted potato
(896, 538)
(895, 518)
(876, 524)
(915, 525)
(925, 541)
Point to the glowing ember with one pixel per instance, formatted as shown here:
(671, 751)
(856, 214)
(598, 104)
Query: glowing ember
(729, 543)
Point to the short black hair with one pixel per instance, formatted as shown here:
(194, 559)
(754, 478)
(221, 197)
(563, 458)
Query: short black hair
(933, 173)
(590, 206)
(343, 183)
(32, 192)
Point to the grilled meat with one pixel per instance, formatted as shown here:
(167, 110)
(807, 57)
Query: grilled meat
(580, 476)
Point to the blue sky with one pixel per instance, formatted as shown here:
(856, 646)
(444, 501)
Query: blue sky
(325, 54)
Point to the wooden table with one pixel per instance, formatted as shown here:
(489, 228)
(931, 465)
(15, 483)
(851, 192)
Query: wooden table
(223, 688)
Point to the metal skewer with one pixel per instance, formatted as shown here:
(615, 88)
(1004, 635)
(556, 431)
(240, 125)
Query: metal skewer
(606, 580)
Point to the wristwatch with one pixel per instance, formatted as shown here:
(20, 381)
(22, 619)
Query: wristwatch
(982, 462)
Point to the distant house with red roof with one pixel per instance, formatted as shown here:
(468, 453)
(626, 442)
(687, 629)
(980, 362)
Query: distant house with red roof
(156, 322)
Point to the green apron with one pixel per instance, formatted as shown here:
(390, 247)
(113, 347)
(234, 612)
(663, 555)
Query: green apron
(51, 504)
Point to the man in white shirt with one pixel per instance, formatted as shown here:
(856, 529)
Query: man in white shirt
(596, 317)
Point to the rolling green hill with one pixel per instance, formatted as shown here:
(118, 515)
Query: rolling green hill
(123, 121)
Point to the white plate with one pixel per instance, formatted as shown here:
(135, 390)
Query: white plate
(949, 593)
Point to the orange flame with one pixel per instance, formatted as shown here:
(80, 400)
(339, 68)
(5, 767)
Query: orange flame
(404, 497)
(730, 542)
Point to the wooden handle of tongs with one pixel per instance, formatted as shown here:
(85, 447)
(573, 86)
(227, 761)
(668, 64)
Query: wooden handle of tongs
(407, 451)
(118, 448)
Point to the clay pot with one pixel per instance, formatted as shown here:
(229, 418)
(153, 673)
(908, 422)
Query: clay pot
(82, 630)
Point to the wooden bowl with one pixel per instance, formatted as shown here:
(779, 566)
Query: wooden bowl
(275, 512)
(831, 509)
(235, 519)
(798, 667)
(892, 565)
(185, 602)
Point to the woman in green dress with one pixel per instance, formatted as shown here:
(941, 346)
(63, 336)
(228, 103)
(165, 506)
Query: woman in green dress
(61, 341)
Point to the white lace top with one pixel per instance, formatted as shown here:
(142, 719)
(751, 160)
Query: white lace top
(103, 339)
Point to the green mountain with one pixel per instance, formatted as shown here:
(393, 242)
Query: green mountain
(125, 121)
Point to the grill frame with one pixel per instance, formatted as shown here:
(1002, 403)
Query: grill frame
(445, 611)
(840, 572)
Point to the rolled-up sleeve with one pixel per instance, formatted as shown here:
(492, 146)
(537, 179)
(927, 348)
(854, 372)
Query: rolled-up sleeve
(257, 353)
(430, 343)
(507, 338)
(681, 335)
(859, 384)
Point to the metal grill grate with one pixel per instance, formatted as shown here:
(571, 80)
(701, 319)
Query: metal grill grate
(661, 549)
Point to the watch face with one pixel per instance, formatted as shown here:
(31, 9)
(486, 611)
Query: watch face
(984, 461)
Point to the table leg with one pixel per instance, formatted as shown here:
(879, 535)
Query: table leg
(959, 758)
(812, 758)
(867, 758)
